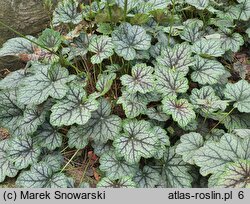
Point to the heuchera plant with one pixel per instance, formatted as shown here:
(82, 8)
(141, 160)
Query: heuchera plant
(131, 93)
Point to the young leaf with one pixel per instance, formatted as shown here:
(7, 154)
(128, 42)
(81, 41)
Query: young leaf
(50, 39)
(208, 47)
(206, 100)
(25, 151)
(199, 4)
(66, 12)
(142, 79)
(102, 46)
(7, 167)
(190, 143)
(128, 39)
(48, 80)
(48, 136)
(138, 140)
(147, 178)
(124, 182)
(170, 83)
(181, 111)
(240, 94)
(41, 175)
(206, 71)
(177, 58)
(104, 82)
(116, 167)
(74, 108)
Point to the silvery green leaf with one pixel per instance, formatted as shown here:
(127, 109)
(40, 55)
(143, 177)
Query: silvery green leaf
(11, 112)
(104, 28)
(234, 175)
(74, 108)
(127, 39)
(199, 4)
(131, 4)
(151, 5)
(181, 110)
(215, 135)
(232, 42)
(24, 151)
(239, 93)
(213, 156)
(7, 167)
(248, 32)
(116, 167)
(208, 47)
(50, 39)
(78, 47)
(54, 160)
(125, 182)
(163, 141)
(137, 140)
(147, 177)
(204, 99)
(177, 58)
(101, 149)
(17, 47)
(13, 79)
(32, 118)
(49, 80)
(113, 68)
(142, 79)
(237, 121)
(102, 46)
(133, 104)
(239, 11)
(243, 133)
(66, 12)
(175, 171)
(49, 136)
(101, 127)
(169, 82)
(104, 82)
(157, 114)
(191, 32)
(206, 71)
(41, 175)
(77, 137)
(190, 143)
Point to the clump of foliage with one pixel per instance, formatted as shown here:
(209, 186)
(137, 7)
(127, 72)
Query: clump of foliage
(148, 87)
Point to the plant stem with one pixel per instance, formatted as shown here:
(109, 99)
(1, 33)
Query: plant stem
(125, 9)
(222, 119)
(172, 21)
(70, 160)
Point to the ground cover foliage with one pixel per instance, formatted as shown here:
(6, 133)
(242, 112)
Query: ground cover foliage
(130, 93)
